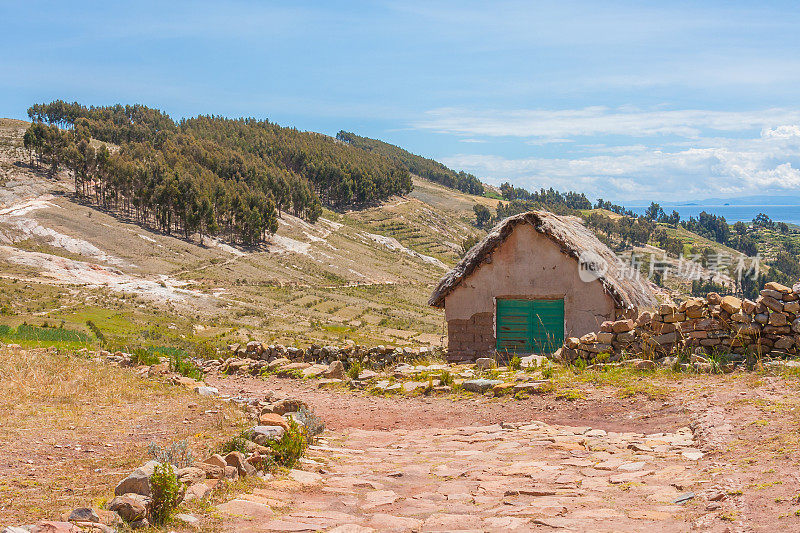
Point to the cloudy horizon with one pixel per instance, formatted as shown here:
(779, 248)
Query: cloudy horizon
(624, 101)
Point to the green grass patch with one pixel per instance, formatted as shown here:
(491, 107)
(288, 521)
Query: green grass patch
(30, 336)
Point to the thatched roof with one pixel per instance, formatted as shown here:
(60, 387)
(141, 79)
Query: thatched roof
(628, 290)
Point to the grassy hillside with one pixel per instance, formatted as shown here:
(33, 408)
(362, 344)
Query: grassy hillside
(362, 275)
(415, 164)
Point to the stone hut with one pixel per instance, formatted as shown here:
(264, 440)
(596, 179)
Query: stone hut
(535, 279)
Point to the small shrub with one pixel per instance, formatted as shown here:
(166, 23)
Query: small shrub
(178, 453)
(237, 443)
(264, 463)
(547, 372)
(140, 356)
(515, 363)
(182, 365)
(570, 394)
(291, 447)
(97, 333)
(354, 370)
(165, 492)
(446, 378)
(313, 424)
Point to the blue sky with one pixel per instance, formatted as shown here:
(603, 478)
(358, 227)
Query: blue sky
(625, 101)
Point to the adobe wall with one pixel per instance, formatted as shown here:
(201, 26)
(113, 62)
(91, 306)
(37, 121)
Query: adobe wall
(526, 265)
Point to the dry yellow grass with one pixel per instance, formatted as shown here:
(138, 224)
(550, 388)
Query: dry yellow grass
(72, 428)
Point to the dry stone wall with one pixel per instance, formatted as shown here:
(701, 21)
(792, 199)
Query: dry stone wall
(714, 325)
(258, 356)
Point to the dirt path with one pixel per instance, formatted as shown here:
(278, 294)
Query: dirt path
(480, 464)
(342, 409)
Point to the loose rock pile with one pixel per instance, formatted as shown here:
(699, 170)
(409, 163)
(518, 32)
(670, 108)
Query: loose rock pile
(712, 325)
(256, 357)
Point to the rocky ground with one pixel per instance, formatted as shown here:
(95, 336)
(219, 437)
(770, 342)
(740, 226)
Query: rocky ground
(644, 450)
(602, 463)
(498, 477)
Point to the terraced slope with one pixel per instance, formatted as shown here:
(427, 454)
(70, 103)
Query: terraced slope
(362, 275)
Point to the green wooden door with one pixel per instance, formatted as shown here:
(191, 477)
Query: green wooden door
(529, 326)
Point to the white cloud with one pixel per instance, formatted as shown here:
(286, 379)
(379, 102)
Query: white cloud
(631, 153)
(781, 132)
(560, 125)
(707, 167)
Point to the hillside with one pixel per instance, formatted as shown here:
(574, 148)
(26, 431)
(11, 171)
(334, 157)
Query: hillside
(363, 275)
(415, 164)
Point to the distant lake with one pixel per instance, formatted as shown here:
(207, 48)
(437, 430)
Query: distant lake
(734, 213)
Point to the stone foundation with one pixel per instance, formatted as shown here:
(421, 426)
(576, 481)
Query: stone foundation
(469, 339)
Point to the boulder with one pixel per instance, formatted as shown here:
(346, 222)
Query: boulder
(335, 371)
(740, 317)
(238, 460)
(778, 319)
(772, 294)
(83, 514)
(784, 343)
(748, 329)
(198, 491)
(533, 387)
(138, 482)
(191, 475)
(216, 460)
(272, 419)
(130, 507)
(792, 307)
(621, 326)
(292, 367)
(211, 471)
(777, 287)
(605, 337)
(484, 363)
(644, 364)
(231, 473)
(749, 306)
(288, 405)
(572, 342)
(278, 363)
(480, 385)
(187, 521)
(676, 317)
(205, 390)
(771, 303)
(667, 309)
(53, 526)
(731, 304)
(262, 434)
(315, 371)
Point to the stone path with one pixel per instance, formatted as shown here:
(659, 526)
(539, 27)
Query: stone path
(514, 477)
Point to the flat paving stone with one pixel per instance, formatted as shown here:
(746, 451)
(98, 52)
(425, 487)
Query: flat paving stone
(515, 477)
